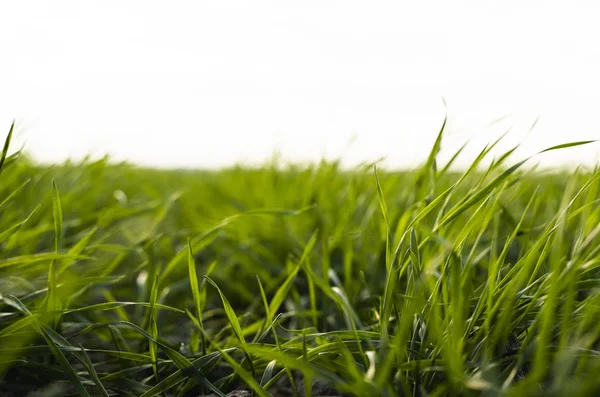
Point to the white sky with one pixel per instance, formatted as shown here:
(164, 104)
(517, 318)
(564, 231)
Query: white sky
(210, 83)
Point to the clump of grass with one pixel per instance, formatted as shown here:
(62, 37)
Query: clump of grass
(118, 280)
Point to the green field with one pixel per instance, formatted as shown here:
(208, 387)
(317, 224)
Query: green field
(299, 280)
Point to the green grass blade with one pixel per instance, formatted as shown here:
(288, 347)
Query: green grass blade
(69, 371)
(6, 146)
(15, 228)
(89, 366)
(230, 313)
(53, 300)
(384, 212)
(58, 216)
(567, 145)
(187, 368)
(242, 373)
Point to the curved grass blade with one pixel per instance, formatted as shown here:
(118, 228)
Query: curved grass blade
(116, 305)
(89, 366)
(77, 249)
(15, 228)
(15, 192)
(384, 212)
(241, 372)
(53, 303)
(186, 367)
(268, 373)
(567, 145)
(36, 258)
(230, 313)
(6, 146)
(70, 372)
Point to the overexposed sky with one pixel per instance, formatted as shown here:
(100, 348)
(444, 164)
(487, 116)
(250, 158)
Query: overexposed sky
(211, 83)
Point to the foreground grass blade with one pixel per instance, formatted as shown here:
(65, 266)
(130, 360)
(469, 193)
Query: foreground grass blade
(186, 367)
(69, 371)
(242, 373)
(13, 229)
(231, 316)
(6, 146)
(53, 303)
(567, 145)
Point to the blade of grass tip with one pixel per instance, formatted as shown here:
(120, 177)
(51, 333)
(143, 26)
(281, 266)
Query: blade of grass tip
(535, 122)
(77, 249)
(427, 175)
(13, 158)
(268, 373)
(498, 120)
(229, 312)
(6, 146)
(435, 150)
(482, 155)
(17, 325)
(234, 322)
(384, 212)
(447, 194)
(499, 161)
(445, 169)
(196, 292)
(479, 195)
(567, 145)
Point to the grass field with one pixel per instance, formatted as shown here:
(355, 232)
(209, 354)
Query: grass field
(313, 280)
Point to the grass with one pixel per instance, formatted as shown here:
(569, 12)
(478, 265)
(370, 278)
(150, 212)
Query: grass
(119, 280)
